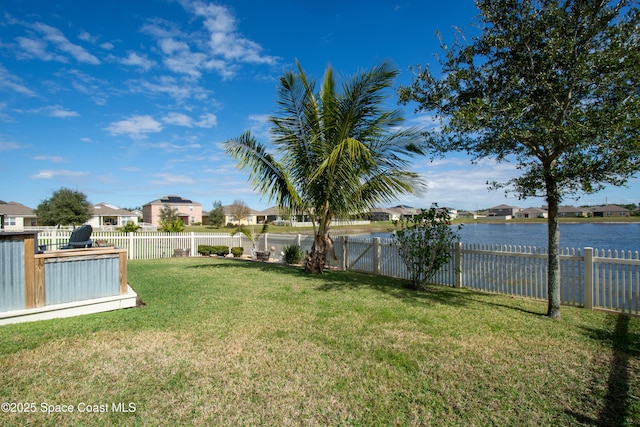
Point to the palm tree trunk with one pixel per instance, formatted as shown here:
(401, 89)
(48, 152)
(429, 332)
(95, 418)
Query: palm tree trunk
(322, 243)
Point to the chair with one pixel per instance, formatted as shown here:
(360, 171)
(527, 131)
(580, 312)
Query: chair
(80, 238)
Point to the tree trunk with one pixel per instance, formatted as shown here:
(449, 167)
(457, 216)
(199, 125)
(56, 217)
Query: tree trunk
(315, 260)
(553, 266)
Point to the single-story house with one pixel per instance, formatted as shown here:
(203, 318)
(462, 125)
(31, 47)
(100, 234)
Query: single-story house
(230, 213)
(15, 217)
(532, 213)
(572, 211)
(189, 211)
(105, 215)
(609, 211)
(382, 214)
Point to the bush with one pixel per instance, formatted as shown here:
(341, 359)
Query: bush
(425, 243)
(293, 254)
(176, 226)
(237, 251)
(221, 250)
(207, 250)
(130, 227)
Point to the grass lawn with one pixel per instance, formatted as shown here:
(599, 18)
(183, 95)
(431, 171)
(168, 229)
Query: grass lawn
(224, 342)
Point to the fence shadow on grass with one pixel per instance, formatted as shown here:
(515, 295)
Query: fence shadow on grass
(336, 280)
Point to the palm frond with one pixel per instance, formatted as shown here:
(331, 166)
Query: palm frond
(265, 173)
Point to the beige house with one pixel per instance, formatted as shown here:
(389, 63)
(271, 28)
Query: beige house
(230, 214)
(609, 211)
(572, 211)
(15, 216)
(532, 213)
(189, 211)
(105, 215)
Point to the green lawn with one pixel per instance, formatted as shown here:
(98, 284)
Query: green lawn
(227, 342)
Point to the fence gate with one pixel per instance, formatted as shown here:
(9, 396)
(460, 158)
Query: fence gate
(354, 251)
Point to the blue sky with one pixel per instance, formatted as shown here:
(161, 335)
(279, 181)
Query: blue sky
(130, 101)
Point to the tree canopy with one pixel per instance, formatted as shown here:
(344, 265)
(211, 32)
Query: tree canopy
(64, 207)
(333, 153)
(551, 85)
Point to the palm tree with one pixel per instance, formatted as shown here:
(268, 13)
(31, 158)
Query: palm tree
(336, 153)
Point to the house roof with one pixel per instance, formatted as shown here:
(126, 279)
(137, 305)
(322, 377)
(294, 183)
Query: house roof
(16, 209)
(229, 208)
(103, 209)
(532, 210)
(609, 208)
(570, 209)
(499, 207)
(172, 199)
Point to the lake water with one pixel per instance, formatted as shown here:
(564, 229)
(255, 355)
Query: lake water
(615, 236)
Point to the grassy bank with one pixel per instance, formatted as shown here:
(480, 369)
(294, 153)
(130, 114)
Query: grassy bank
(223, 342)
(384, 226)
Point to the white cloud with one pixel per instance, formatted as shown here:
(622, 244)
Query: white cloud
(53, 159)
(37, 49)
(456, 183)
(60, 112)
(207, 120)
(57, 38)
(135, 127)
(169, 179)
(222, 51)
(8, 145)
(54, 111)
(135, 60)
(178, 119)
(167, 85)
(169, 147)
(224, 40)
(51, 174)
(14, 83)
(86, 36)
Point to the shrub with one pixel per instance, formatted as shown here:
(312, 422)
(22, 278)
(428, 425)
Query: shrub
(237, 251)
(220, 250)
(425, 243)
(130, 227)
(293, 254)
(205, 250)
(175, 226)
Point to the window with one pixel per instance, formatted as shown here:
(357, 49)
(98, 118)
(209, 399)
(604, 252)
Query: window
(10, 221)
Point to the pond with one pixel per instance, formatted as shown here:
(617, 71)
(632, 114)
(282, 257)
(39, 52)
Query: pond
(614, 236)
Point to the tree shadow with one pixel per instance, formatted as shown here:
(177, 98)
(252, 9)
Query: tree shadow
(617, 398)
(336, 280)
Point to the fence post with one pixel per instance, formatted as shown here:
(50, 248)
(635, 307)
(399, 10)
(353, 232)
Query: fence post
(266, 243)
(193, 244)
(131, 251)
(588, 278)
(376, 255)
(457, 253)
(344, 252)
(299, 240)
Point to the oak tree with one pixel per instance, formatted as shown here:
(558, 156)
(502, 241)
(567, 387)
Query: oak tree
(551, 85)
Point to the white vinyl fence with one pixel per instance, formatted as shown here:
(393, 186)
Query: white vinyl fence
(150, 245)
(588, 278)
